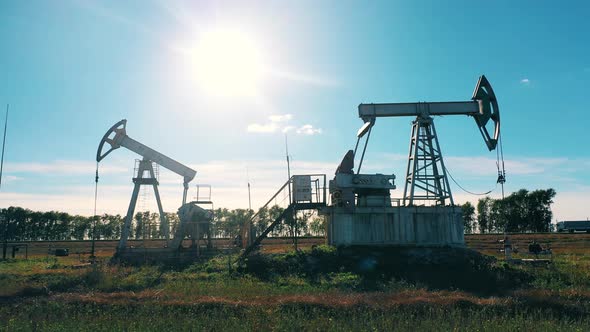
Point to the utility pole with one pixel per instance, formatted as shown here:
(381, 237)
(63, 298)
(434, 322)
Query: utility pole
(5, 244)
(249, 197)
(293, 215)
(92, 256)
(287, 154)
(3, 145)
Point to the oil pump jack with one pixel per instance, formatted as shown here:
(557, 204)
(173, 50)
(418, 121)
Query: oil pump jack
(362, 212)
(189, 213)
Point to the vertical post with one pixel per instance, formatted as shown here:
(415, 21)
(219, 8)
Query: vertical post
(131, 209)
(164, 227)
(446, 188)
(5, 244)
(93, 236)
(198, 236)
(288, 167)
(92, 256)
(293, 227)
(412, 166)
(184, 192)
(249, 198)
(3, 145)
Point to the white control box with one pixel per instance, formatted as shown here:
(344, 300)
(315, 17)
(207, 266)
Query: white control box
(302, 188)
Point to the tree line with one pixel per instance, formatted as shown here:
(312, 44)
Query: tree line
(522, 211)
(19, 224)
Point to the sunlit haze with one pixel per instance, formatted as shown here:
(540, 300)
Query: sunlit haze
(219, 86)
(227, 63)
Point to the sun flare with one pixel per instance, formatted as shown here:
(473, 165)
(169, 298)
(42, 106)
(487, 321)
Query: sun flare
(228, 63)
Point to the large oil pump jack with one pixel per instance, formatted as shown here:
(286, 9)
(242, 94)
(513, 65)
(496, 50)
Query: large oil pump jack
(117, 137)
(361, 210)
(426, 178)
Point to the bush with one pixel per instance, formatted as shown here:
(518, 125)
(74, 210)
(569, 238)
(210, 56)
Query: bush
(436, 268)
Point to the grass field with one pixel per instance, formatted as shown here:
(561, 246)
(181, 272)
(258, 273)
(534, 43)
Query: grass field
(312, 290)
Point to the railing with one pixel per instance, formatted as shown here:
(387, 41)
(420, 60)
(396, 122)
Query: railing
(294, 195)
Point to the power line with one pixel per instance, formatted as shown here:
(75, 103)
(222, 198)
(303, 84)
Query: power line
(465, 190)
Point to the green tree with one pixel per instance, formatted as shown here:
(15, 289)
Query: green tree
(540, 213)
(262, 220)
(80, 228)
(318, 226)
(468, 217)
(218, 229)
(173, 221)
(521, 211)
(275, 212)
(483, 214)
(140, 218)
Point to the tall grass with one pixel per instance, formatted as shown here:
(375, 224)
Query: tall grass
(52, 316)
(297, 291)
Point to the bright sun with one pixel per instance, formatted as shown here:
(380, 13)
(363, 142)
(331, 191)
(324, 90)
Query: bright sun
(228, 63)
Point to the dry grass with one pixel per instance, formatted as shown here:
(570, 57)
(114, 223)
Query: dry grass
(558, 300)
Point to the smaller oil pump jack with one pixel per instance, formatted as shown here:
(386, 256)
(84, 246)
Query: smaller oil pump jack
(194, 220)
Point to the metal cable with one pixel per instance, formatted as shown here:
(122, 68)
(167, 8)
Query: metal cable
(503, 178)
(95, 188)
(465, 190)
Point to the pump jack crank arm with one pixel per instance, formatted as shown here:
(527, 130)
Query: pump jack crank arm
(118, 128)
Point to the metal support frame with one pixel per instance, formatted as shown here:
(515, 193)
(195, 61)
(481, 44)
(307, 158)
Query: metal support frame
(426, 179)
(145, 165)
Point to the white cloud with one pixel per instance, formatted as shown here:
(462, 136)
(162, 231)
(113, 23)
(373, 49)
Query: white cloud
(571, 205)
(72, 167)
(229, 179)
(306, 79)
(273, 126)
(525, 81)
(520, 166)
(262, 128)
(280, 118)
(10, 178)
(308, 130)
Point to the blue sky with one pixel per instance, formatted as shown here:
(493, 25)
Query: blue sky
(72, 68)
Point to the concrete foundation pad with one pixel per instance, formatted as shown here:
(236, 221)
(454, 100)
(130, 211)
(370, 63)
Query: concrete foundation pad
(427, 226)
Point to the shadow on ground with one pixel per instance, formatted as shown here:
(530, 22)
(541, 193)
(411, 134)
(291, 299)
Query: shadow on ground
(433, 268)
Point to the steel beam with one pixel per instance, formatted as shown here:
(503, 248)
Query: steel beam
(370, 111)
